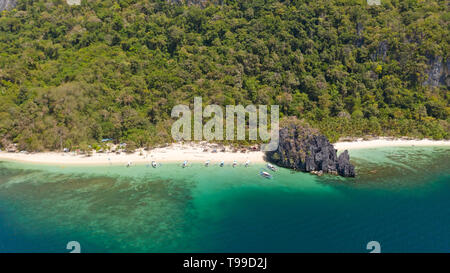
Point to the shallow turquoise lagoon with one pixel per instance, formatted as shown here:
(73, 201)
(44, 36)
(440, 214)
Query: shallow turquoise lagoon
(400, 198)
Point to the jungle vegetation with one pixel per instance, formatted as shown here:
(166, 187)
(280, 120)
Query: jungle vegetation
(71, 76)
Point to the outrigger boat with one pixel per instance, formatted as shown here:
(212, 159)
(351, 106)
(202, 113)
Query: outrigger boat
(221, 163)
(265, 174)
(247, 163)
(271, 167)
(234, 163)
(185, 163)
(207, 163)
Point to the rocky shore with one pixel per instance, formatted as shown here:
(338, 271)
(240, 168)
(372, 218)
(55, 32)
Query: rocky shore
(305, 149)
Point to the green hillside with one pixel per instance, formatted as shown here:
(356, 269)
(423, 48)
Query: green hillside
(71, 76)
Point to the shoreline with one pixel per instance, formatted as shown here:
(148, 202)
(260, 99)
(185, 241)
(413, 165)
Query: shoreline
(177, 153)
(383, 142)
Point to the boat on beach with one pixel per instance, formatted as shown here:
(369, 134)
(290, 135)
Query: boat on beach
(154, 165)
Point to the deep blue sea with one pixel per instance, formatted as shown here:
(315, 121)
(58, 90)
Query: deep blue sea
(400, 198)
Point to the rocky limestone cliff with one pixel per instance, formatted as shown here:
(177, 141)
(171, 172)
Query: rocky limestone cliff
(7, 4)
(10, 4)
(438, 72)
(200, 3)
(305, 149)
(73, 2)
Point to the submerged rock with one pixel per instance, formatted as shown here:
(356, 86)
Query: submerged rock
(304, 148)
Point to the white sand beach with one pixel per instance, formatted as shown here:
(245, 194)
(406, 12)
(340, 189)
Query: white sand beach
(173, 153)
(388, 142)
(194, 153)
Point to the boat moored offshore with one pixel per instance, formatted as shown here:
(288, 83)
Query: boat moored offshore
(265, 174)
(271, 167)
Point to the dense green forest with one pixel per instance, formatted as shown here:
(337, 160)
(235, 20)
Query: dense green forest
(73, 75)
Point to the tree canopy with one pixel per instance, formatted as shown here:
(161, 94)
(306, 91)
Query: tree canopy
(74, 75)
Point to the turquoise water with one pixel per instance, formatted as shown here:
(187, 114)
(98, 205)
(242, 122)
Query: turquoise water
(401, 198)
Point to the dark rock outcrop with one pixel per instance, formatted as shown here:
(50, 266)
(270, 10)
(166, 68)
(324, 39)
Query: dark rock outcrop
(305, 149)
(381, 52)
(344, 167)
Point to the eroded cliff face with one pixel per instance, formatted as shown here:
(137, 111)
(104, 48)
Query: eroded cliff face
(438, 72)
(7, 4)
(305, 149)
(438, 67)
(195, 2)
(73, 2)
